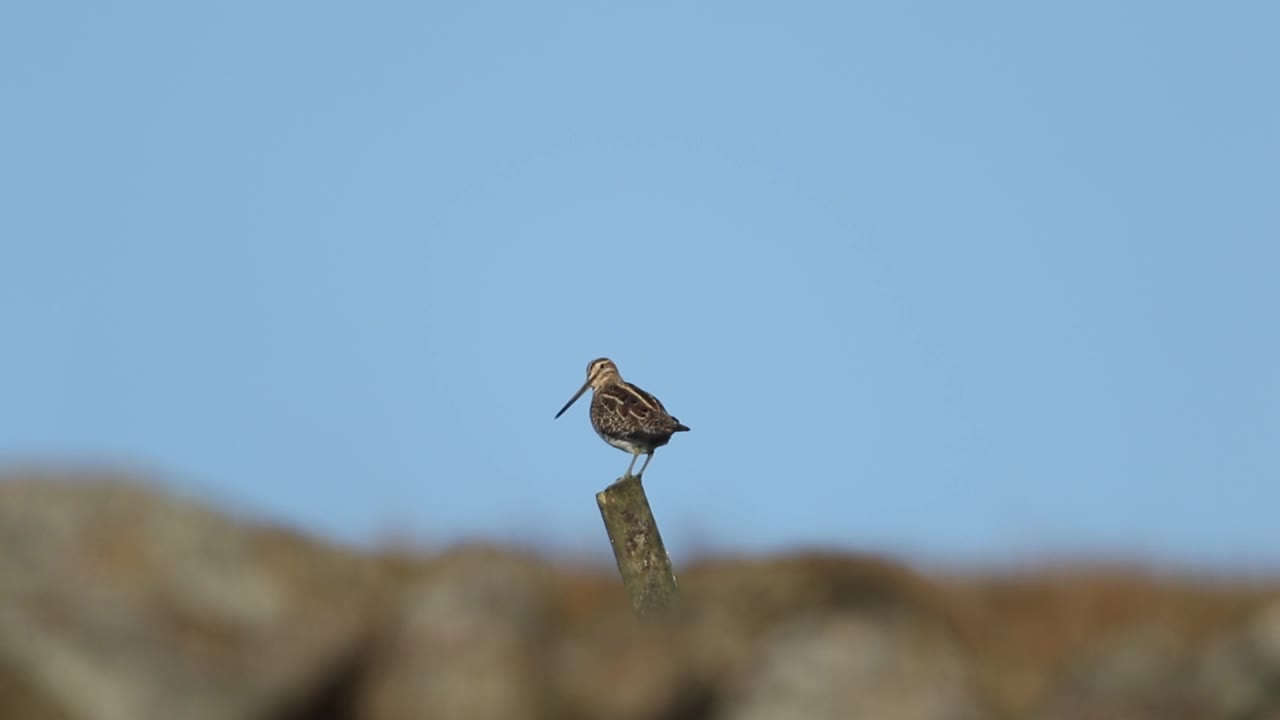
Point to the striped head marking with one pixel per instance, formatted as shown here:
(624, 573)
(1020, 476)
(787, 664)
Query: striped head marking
(601, 371)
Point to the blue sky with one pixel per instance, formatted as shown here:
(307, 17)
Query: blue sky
(967, 283)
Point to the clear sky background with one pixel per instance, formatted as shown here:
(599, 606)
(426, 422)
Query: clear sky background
(965, 282)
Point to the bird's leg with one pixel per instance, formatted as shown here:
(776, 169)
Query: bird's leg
(647, 458)
(627, 474)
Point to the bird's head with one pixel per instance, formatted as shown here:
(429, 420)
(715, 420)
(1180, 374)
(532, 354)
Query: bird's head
(600, 372)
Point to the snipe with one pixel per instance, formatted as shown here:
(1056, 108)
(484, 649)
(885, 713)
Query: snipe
(625, 416)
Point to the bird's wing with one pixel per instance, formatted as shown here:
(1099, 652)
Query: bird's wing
(643, 410)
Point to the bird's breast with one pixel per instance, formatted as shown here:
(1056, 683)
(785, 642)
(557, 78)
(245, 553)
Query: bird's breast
(627, 444)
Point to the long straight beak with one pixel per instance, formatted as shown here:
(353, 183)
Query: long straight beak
(575, 397)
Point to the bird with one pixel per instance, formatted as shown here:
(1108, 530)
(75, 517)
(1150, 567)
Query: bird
(625, 416)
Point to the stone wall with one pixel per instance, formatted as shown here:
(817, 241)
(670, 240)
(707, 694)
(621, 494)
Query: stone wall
(119, 602)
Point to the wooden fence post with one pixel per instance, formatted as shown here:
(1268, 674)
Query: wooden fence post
(642, 559)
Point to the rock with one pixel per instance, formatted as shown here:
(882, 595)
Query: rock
(841, 665)
(122, 603)
(729, 606)
(469, 641)
(1160, 668)
(613, 667)
(1239, 673)
(1140, 673)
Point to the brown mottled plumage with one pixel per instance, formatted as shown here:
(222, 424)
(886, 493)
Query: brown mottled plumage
(625, 416)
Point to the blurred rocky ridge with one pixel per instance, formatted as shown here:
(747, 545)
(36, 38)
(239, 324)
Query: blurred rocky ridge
(118, 602)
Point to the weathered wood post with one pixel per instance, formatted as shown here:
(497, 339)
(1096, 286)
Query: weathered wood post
(642, 559)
